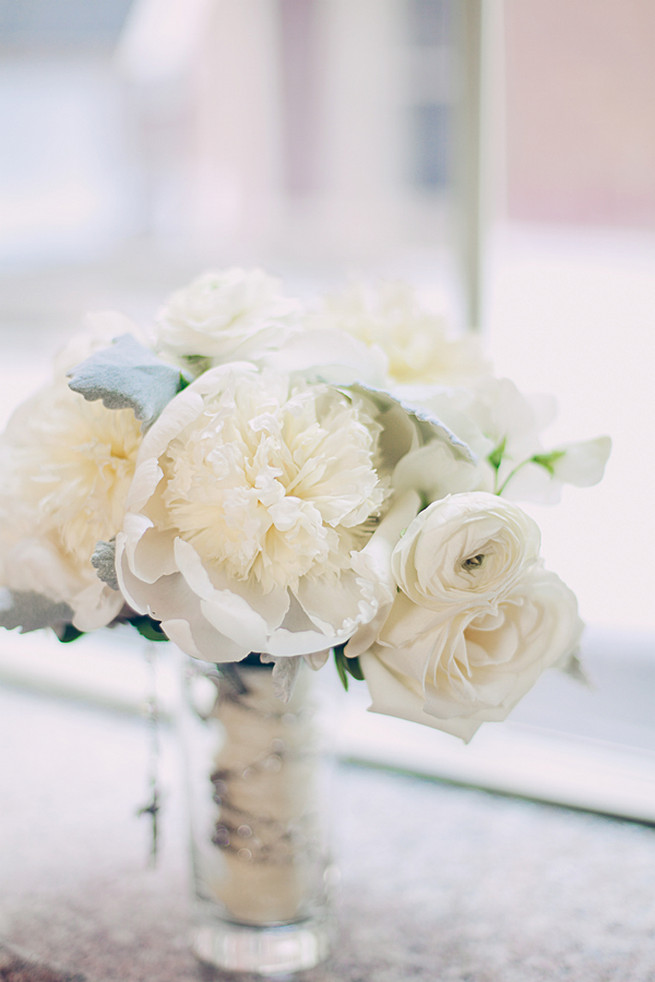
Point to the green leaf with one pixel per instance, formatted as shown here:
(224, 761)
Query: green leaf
(347, 666)
(68, 633)
(355, 669)
(148, 628)
(127, 376)
(341, 668)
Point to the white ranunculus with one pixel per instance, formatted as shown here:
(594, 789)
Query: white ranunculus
(416, 342)
(464, 551)
(219, 316)
(66, 465)
(253, 496)
(454, 675)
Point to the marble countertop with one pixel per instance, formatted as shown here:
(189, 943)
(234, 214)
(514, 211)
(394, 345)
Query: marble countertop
(438, 882)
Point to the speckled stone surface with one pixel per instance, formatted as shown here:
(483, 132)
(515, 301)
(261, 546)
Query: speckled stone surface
(438, 883)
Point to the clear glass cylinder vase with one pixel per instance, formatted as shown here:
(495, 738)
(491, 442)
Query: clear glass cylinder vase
(257, 774)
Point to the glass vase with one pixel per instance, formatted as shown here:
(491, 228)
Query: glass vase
(256, 780)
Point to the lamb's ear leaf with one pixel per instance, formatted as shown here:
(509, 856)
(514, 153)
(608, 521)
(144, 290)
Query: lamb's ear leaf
(126, 375)
(31, 611)
(103, 561)
(429, 425)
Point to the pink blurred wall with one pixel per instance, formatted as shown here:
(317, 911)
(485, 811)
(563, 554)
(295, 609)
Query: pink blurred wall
(581, 111)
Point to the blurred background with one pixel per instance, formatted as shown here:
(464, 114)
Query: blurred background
(499, 155)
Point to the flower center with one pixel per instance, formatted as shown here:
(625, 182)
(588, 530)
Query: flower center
(473, 562)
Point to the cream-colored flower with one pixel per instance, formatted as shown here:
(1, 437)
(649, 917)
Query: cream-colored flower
(454, 675)
(100, 329)
(416, 342)
(66, 468)
(253, 493)
(231, 314)
(464, 552)
(541, 477)
(503, 427)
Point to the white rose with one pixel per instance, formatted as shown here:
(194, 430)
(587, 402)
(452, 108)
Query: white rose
(464, 551)
(225, 315)
(66, 465)
(457, 674)
(252, 498)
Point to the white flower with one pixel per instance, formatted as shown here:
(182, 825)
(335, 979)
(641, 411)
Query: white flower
(503, 428)
(493, 417)
(415, 341)
(464, 551)
(101, 327)
(541, 477)
(328, 355)
(434, 470)
(475, 618)
(253, 494)
(454, 675)
(66, 468)
(231, 314)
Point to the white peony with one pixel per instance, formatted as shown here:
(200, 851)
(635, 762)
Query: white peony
(454, 675)
(416, 342)
(252, 499)
(66, 466)
(226, 315)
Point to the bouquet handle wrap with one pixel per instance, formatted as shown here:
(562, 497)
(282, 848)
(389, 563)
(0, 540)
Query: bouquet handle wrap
(256, 779)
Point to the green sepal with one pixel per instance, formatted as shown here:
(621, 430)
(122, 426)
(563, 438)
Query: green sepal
(548, 460)
(495, 458)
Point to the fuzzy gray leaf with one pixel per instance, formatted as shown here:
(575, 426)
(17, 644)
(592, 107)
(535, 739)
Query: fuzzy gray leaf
(31, 611)
(429, 425)
(103, 561)
(127, 376)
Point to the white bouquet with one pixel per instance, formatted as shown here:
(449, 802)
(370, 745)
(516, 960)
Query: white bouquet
(255, 475)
